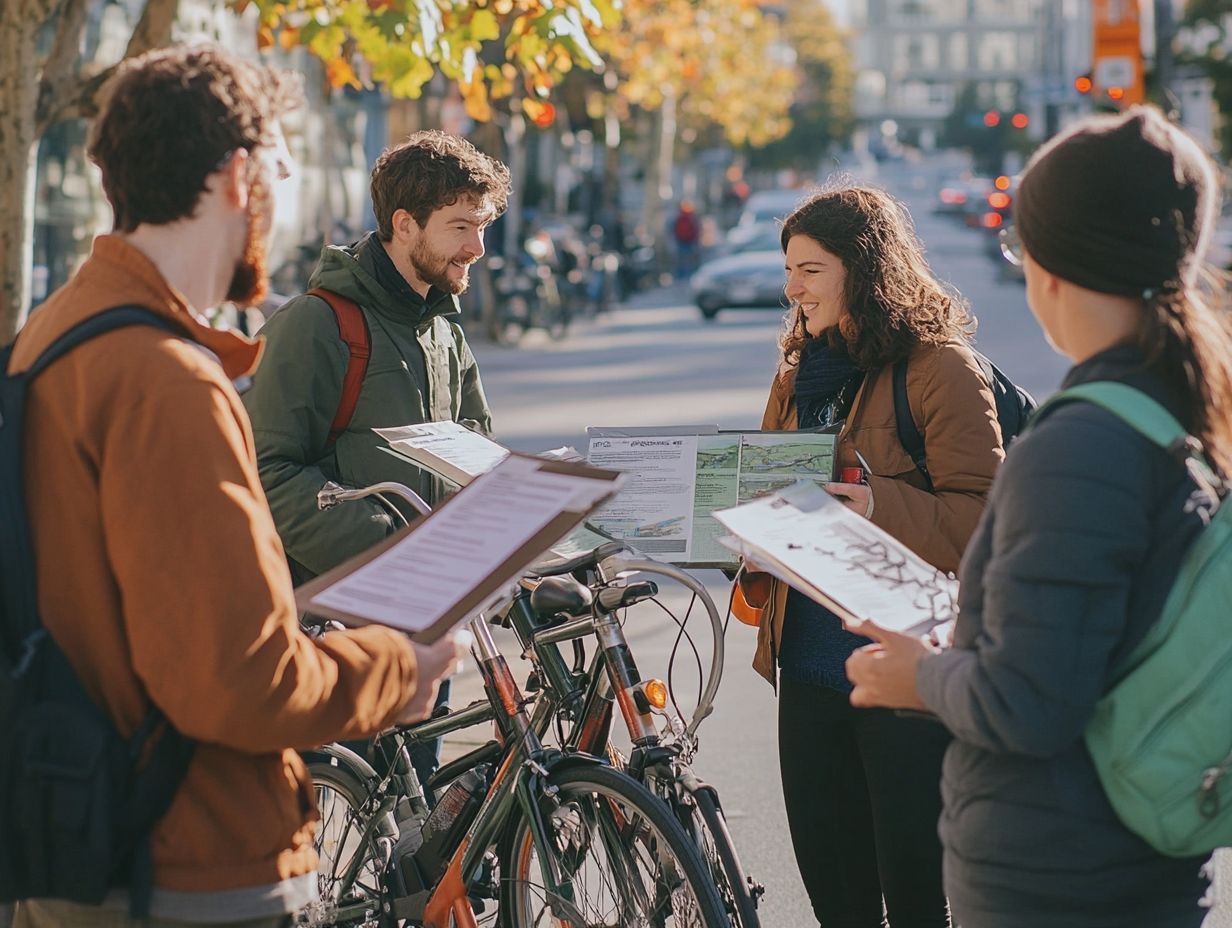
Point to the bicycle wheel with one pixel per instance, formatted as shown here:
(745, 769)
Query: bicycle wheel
(349, 868)
(705, 823)
(622, 858)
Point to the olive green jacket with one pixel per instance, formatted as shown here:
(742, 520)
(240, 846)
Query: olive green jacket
(295, 394)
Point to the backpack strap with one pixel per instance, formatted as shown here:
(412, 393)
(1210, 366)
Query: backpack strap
(1128, 404)
(353, 329)
(115, 318)
(1141, 413)
(908, 433)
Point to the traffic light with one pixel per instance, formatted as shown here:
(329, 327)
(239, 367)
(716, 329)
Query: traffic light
(992, 119)
(1083, 83)
(1020, 121)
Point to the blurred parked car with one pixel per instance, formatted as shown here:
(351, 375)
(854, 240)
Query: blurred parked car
(770, 205)
(748, 279)
(756, 236)
(953, 196)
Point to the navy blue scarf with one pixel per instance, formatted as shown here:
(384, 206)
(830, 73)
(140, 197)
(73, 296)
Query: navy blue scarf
(826, 383)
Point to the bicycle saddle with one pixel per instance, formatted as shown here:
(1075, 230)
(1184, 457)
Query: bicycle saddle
(555, 595)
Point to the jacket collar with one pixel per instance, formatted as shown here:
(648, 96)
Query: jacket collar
(371, 257)
(117, 267)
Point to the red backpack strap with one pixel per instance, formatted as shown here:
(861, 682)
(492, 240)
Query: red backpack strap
(353, 328)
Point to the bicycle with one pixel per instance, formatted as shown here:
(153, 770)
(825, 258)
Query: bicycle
(607, 851)
(552, 607)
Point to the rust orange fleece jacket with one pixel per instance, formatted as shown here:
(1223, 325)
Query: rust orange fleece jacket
(161, 576)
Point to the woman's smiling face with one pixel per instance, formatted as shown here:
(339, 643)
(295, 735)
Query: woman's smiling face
(815, 285)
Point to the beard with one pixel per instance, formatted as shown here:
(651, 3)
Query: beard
(250, 281)
(432, 267)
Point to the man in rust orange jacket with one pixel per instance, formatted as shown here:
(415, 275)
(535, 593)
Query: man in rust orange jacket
(159, 571)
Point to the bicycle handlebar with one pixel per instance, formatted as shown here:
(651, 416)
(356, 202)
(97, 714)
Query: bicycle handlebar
(606, 560)
(331, 494)
(616, 564)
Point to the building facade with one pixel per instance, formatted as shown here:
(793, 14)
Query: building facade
(923, 63)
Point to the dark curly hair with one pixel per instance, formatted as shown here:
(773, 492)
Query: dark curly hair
(169, 118)
(893, 301)
(432, 169)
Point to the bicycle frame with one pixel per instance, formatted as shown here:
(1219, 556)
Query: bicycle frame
(520, 778)
(518, 781)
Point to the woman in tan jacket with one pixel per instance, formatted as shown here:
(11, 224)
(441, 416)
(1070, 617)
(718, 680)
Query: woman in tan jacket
(862, 787)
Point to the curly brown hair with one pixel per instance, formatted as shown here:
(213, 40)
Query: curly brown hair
(168, 120)
(432, 169)
(892, 299)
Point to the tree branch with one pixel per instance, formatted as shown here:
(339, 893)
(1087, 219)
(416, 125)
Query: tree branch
(77, 98)
(59, 71)
(154, 28)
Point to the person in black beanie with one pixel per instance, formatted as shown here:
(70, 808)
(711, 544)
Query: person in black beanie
(862, 788)
(1081, 543)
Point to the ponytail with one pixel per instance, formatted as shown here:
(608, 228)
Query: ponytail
(1187, 340)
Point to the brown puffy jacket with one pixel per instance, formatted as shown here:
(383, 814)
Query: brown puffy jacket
(956, 413)
(161, 576)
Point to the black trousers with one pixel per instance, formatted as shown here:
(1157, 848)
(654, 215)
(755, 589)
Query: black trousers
(863, 795)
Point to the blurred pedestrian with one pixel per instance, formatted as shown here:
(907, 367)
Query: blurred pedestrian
(1081, 543)
(862, 789)
(686, 233)
(160, 575)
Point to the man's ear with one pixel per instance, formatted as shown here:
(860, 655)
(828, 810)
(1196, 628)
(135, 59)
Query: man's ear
(236, 184)
(404, 224)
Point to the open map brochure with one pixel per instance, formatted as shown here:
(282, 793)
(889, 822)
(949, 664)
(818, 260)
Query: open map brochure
(452, 451)
(678, 476)
(459, 560)
(807, 538)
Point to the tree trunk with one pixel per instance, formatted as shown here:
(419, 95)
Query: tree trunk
(18, 148)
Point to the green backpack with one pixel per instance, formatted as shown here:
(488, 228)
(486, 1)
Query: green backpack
(1161, 736)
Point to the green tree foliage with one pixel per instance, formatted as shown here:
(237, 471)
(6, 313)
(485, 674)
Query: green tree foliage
(403, 43)
(722, 61)
(821, 110)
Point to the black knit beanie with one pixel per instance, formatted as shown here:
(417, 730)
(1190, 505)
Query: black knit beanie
(1119, 204)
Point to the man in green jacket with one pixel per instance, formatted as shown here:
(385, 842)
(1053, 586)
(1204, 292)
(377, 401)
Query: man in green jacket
(433, 196)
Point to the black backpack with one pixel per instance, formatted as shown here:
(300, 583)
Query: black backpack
(1014, 406)
(77, 798)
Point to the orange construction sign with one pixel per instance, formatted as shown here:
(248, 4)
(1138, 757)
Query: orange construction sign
(1116, 55)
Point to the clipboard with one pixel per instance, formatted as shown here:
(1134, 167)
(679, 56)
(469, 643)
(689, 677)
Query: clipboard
(458, 561)
(809, 540)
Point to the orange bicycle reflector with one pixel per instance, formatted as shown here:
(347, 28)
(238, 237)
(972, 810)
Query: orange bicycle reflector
(656, 693)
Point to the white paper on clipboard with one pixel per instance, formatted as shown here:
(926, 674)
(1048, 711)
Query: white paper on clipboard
(811, 541)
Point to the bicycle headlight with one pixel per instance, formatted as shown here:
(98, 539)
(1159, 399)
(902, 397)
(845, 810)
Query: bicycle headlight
(656, 693)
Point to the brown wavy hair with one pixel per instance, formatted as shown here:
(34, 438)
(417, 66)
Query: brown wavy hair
(169, 118)
(893, 301)
(432, 169)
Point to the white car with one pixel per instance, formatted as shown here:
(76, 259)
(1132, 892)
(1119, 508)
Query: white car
(748, 279)
(770, 206)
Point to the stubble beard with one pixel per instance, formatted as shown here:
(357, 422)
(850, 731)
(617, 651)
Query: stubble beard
(433, 269)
